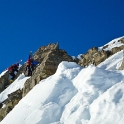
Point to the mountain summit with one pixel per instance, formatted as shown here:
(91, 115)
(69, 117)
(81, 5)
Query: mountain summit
(67, 90)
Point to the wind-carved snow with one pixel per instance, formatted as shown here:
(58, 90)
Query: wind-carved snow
(109, 107)
(75, 95)
(91, 83)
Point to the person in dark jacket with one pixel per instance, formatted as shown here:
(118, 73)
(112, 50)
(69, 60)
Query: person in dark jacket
(12, 70)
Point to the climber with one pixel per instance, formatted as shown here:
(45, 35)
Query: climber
(28, 67)
(30, 64)
(12, 70)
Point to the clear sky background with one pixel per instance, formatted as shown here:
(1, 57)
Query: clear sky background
(77, 25)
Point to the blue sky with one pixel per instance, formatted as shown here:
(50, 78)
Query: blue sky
(77, 25)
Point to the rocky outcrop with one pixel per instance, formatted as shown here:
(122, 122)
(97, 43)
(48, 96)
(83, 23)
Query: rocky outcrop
(8, 104)
(95, 56)
(122, 48)
(121, 40)
(4, 81)
(49, 57)
(116, 49)
(122, 65)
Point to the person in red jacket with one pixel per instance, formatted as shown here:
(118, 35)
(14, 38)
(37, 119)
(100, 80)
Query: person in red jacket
(28, 67)
(30, 64)
(12, 69)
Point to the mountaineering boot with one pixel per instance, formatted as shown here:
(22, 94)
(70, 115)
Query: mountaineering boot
(11, 81)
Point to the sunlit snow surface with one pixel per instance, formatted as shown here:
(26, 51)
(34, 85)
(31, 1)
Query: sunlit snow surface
(74, 95)
(112, 44)
(3, 73)
(17, 84)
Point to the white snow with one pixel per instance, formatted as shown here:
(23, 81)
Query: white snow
(79, 56)
(113, 43)
(112, 63)
(73, 95)
(91, 83)
(17, 84)
(3, 73)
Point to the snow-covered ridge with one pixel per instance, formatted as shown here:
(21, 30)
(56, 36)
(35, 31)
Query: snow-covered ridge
(112, 44)
(3, 73)
(112, 63)
(109, 46)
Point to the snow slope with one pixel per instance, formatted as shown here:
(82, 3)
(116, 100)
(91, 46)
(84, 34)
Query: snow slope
(113, 62)
(73, 95)
(3, 73)
(113, 43)
(17, 84)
